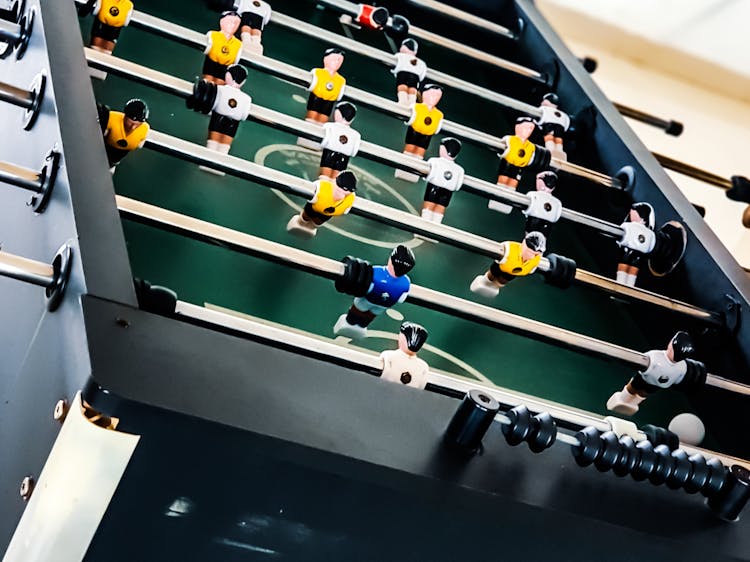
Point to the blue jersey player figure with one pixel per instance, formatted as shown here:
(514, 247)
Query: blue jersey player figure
(376, 288)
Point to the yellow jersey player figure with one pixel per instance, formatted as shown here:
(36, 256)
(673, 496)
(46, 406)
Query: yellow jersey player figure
(518, 260)
(222, 48)
(110, 16)
(425, 121)
(409, 71)
(124, 131)
(255, 16)
(331, 199)
(326, 88)
(519, 154)
(402, 365)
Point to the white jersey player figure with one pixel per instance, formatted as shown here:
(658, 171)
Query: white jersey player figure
(544, 209)
(231, 106)
(553, 123)
(402, 365)
(444, 178)
(673, 366)
(410, 72)
(255, 15)
(340, 141)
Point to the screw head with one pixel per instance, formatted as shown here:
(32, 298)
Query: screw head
(27, 487)
(61, 410)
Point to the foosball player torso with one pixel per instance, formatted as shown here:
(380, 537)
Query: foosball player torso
(124, 131)
(332, 198)
(222, 48)
(518, 260)
(402, 365)
(340, 141)
(444, 178)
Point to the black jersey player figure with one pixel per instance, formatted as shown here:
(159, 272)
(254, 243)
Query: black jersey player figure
(518, 260)
(639, 240)
(410, 72)
(384, 287)
(671, 367)
(332, 198)
(544, 209)
(425, 121)
(110, 16)
(222, 48)
(228, 106)
(553, 124)
(124, 131)
(444, 178)
(326, 88)
(340, 141)
(255, 15)
(519, 154)
(402, 365)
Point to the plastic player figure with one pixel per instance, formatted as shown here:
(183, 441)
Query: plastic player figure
(372, 17)
(444, 178)
(673, 366)
(544, 209)
(553, 124)
(222, 48)
(638, 241)
(230, 106)
(426, 120)
(124, 131)
(402, 365)
(331, 199)
(519, 153)
(255, 15)
(340, 141)
(110, 16)
(326, 86)
(409, 71)
(390, 285)
(518, 259)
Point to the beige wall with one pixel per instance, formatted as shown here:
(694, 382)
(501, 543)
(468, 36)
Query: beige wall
(717, 125)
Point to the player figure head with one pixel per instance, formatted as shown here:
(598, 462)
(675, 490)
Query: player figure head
(346, 183)
(333, 58)
(411, 338)
(449, 148)
(401, 261)
(345, 112)
(525, 127)
(431, 95)
(534, 244)
(551, 100)
(409, 47)
(680, 347)
(642, 213)
(136, 113)
(229, 22)
(236, 76)
(546, 181)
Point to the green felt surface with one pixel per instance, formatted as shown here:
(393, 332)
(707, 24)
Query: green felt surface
(201, 273)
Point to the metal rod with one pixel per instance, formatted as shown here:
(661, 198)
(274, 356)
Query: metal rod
(23, 269)
(422, 296)
(20, 177)
(16, 96)
(301, 77)
(366, 361)
(465, 17)
(670, 126)
(9, 32)
(388, 59)
(241, 168)
(693, 172)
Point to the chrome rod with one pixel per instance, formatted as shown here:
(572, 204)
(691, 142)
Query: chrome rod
(20, 177)
(24, 269)
(16, 96)
(388, 59)
(465, 17)
(301, 77)
(693, 172)
(365, 360)
(9, 32)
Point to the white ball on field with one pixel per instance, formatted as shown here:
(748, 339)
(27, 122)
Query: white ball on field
(689, 428)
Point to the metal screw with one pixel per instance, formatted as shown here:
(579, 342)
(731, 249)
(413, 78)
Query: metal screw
(27, 487)
(122, 322)
(61, 410)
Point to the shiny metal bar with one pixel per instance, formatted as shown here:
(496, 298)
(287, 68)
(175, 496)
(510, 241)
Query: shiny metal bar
(692, 171)
(388, 59)
(23, 269)
(16, 96)
(9, 32)
(669, 126)
(301, 77)
(367, 361)
(20, 177)
(465, 17)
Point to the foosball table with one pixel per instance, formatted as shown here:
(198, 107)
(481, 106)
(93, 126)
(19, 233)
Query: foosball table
(253, 310)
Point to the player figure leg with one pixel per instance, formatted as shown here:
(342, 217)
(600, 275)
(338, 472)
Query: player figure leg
(306, 224)
(508, 176)
(251, 32)
(354, 323)
(489, 284)
(415, 145)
